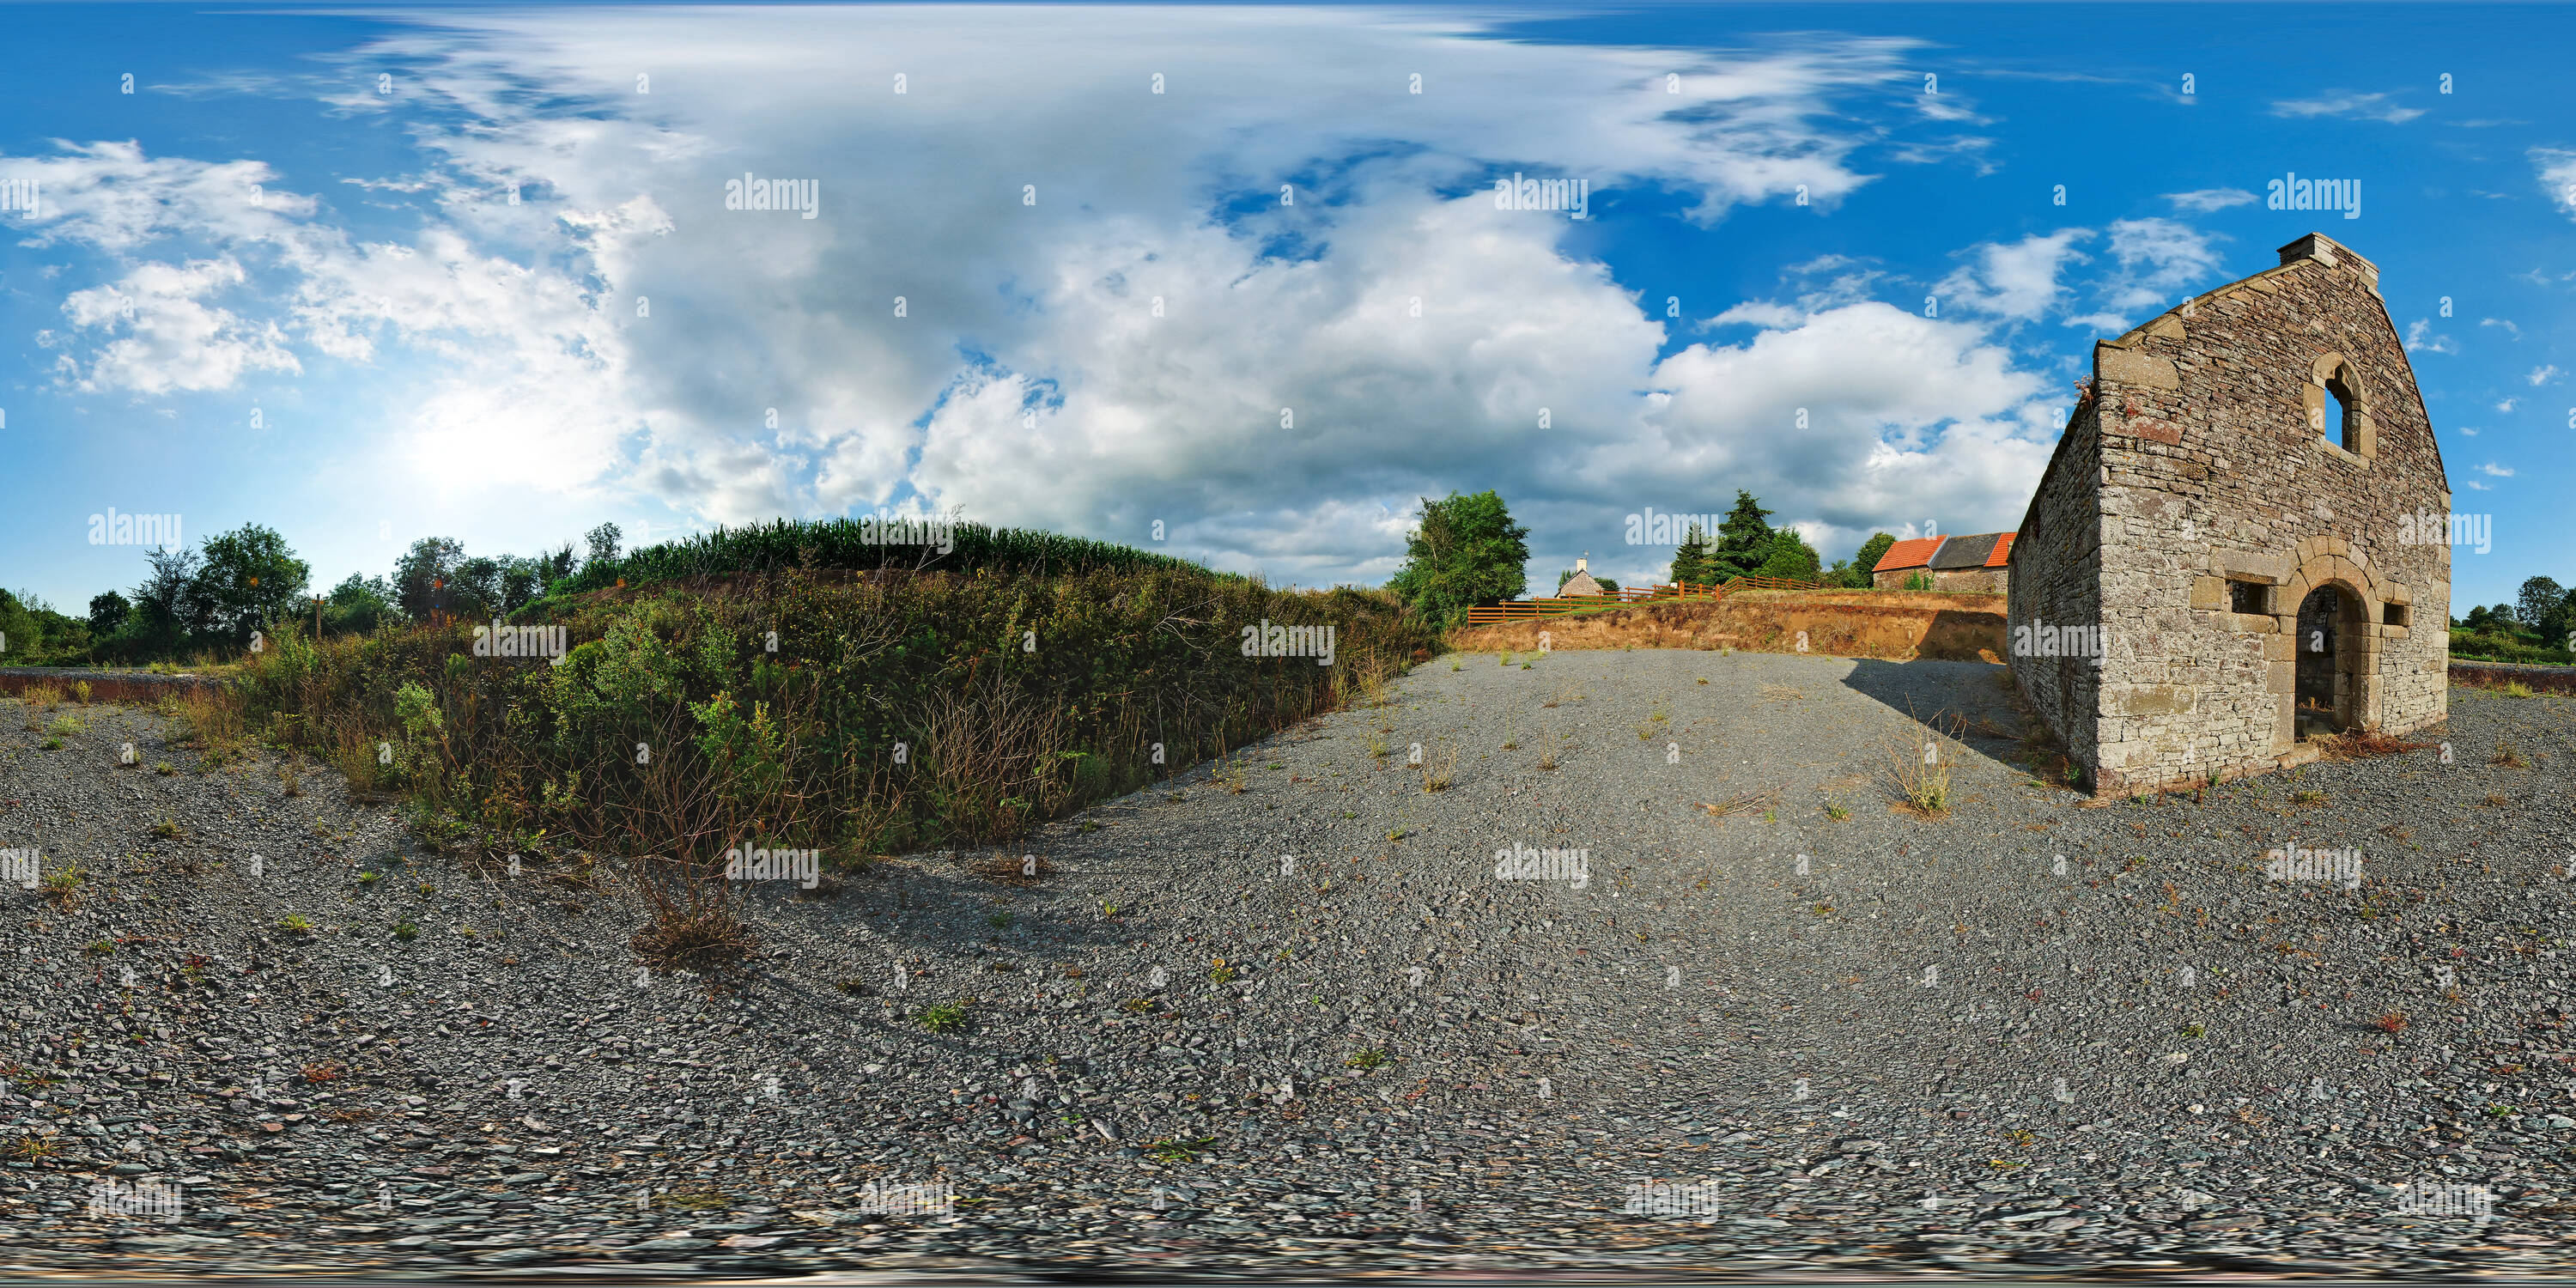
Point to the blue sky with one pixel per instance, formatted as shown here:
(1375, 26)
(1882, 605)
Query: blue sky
(283, 279)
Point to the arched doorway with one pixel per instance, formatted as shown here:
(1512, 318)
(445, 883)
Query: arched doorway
(2329, 639)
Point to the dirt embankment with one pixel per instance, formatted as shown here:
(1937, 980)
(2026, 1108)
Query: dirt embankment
(1893, 625)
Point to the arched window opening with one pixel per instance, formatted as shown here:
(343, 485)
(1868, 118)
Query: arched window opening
(2343, 427)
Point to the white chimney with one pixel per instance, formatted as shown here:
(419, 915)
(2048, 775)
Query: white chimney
(1583, 561)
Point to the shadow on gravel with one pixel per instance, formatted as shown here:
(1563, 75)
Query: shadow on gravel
(1928, 692)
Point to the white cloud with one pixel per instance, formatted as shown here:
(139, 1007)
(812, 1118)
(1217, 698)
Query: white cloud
(2543, 375)
(2359, 107)
(2557, 167)
(163, 336)
(519, 328)
(2506, 406)
(2204, 200)
(2415, 332)
(2493, 470)
(2019, 281)
(2510, 328)
(2475, 486)
(2159, 258)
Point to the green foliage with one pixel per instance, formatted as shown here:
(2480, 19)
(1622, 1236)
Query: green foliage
(1466, 551)
(245, 580)
(803, 743)
(1790, 557)
(2539, 596)
(1865, 562)
(1690, 559)
(1743, 540)
(1918, 581)
(360, 606)
(765, 548)
(107, 611)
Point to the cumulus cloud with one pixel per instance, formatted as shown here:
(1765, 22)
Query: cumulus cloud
(153, 332)
(2543, 375)
(2418, 329)
(1149, 334)
(2557, 172)
(2018, 281)
(2158, 259)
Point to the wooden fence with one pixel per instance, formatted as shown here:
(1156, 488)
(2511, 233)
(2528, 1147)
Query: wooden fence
(1517, 609)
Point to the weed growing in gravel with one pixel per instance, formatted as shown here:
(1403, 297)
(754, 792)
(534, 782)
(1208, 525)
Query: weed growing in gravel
(63, 886)
(52, 744)
(998, 920)
(2516, 689)
(1377, 747)
(163, 768)
(1109, 910)
(426, 889)
(1547, 760)
(212, 719)
(1654, 727)
(1366, 1058)
(65, 726)
(2393, 1022)
(1174, 1150)
(944, 1017)
(369, 878)
(1221, 973)
(2508, 755)
(1455, 665)
(1836, 812)
(81, 692)
(1525, 666)
(1138, 1005)
(99, 948)
(2310, 796)
(1920, 766)
(288, 778)
(32, 1148)
(405, 931)
(2191, 1030)
(168, 830)
(1436, 778)
(1507, 659)
(295, 924)
(854, 987)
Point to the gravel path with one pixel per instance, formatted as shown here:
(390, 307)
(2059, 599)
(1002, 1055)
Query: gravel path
(1282, 1013)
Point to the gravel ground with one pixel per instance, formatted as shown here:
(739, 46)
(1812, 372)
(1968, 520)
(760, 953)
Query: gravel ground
(1822, 1030)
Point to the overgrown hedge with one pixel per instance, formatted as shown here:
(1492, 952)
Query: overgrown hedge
(849, 544)
(931, 710)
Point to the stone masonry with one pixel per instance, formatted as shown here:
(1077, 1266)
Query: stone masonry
(2253, 445)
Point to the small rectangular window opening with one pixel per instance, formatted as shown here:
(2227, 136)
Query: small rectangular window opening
(2392, 614)
(2245, 596)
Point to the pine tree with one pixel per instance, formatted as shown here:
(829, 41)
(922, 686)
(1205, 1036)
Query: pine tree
(1690, 562)
(1743, 540)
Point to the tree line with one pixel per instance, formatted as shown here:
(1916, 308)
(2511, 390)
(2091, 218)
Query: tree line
(211, 597)
(1466, 550)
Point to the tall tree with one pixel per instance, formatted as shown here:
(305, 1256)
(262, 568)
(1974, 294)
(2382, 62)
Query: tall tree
(1866, 562)
(1690, 559)
(425, 576)
(2539, 595)
(107, 612)
(1465, 551)
(603, 541)
(159, 624)
(358, 606)
(1743, 540)
(1790, 557)
(245, 578)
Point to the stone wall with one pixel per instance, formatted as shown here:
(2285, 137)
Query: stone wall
(2215, 465)
(2055, 583)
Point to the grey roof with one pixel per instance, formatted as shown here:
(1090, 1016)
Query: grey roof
(1579, 584)
(1965, 552)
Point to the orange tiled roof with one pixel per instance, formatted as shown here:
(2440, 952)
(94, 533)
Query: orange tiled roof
(2003, 550)
(1913, 553)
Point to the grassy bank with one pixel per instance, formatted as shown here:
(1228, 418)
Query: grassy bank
(792, 712)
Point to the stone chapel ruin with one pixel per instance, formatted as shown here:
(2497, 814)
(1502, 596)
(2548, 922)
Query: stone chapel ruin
(2219, 537)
